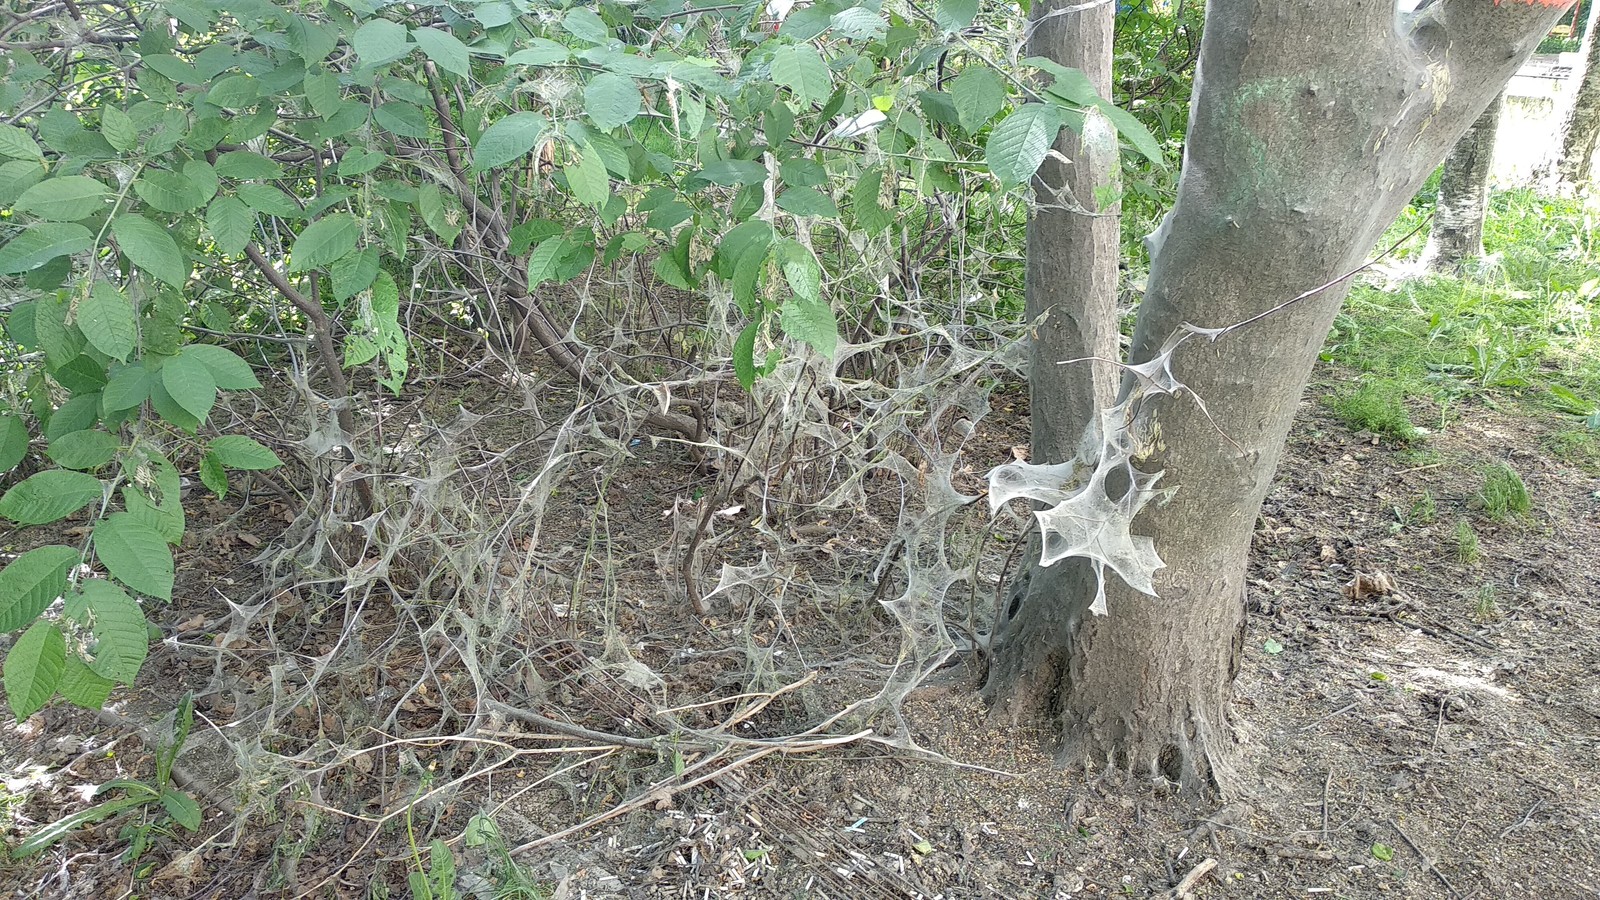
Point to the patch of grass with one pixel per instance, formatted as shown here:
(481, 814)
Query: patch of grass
(1526, 324)
(1486, 608)
(1575, 446)
(1467, 551)
(1378, 407)
(1424, 510)
(1503, 495)
(1419, 457)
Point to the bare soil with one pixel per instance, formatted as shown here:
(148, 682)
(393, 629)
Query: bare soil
(1420, 723)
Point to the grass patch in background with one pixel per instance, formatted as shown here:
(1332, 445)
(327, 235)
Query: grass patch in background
(1503, 495)
(1576, 446)
(1467, 550)
(1525, 325)
(1377, 406)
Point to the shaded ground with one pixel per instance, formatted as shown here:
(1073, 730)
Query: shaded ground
(1440, 739)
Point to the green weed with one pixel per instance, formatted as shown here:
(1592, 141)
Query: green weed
(1486, 608)
(1576, 446)
(1377, 407)
(1424, 510)
(1467, 550)
(1503, 495)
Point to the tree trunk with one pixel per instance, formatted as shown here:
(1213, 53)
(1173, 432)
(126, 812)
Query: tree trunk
(1463, 204)
(1073, 251)
(1581, 132)
(1312, 126)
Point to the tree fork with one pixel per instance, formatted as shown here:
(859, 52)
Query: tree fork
(1311, 128)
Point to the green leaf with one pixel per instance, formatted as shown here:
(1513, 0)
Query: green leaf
(267, 199)
(214, 476)
(380, 41)
(587, 178)
(583, 24)
(494, 14)
(86, 449)
(74, 415)
(239, 452)
(40, 244)
(159, 481)
(1020, 142)
(799, 68)
(800, 269)
(151, 248)
(1272, 647)
(31, 582)
(13, 442)
(118, 129)
(744, 349)
(243, 165)
(234, 92)
(402, 118)
(18, 144)
(33, 668)
(508, 140)
(65, 199)
(812, 322)
(611, 100)
(322, 92)
(324, 241)
(359, 161)
(436, 213)
(231, 224)
(545, 262)
(230, 372)
(81, 687)
(190, 384)
(1070, 86)
(540, 52)
(128, 387)
(170, 192)
(804, 201)
(48, 496)
(1383, 852)
(48, 835)
(106, 319)
(730, 172)
(17, 176)
(183, 809)
(445, 49)
(121, 636)
(954, 15)
(135, 554)
(173, 69)
(870, 215)
(1133, 131)
(978, 94)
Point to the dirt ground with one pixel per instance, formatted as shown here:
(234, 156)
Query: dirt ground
(1433, 734)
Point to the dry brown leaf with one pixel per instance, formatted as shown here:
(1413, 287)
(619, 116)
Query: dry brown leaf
(1364, 585)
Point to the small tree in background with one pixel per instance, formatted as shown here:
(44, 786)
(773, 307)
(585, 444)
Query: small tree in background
(1463, 204)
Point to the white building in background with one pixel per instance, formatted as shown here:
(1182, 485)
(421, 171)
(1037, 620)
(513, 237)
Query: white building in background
(1537, 100)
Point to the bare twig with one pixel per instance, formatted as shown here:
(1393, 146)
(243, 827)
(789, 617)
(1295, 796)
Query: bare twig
(1200, 871)
(1427, 863)
(1526, 818)
(323, 332)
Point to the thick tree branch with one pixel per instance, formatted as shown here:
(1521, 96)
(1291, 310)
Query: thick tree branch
(72, 40)
(322, 329)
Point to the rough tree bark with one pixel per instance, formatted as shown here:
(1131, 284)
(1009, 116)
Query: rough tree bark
(1312, 125)
(1580, 133)
(1073, 249)
(1463, 204)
